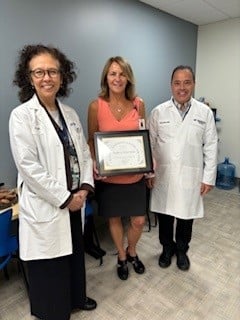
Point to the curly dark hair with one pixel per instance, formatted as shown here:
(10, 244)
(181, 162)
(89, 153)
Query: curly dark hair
(22, 74)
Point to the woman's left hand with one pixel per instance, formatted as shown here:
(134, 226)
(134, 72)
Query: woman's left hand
(149, 182)
(96, 175)
(78, 200)
(82, 195)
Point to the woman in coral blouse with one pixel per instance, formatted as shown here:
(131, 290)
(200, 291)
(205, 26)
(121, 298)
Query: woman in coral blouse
(119, 109)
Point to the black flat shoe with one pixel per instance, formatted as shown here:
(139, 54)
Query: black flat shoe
(138, 266)
(89, 304)
(122, 269)
(165, 258)
(183, 262)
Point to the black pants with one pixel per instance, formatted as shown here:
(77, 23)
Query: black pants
(57, 286)
(183, 233)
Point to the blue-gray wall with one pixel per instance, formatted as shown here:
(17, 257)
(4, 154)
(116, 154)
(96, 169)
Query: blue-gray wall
(89, 32)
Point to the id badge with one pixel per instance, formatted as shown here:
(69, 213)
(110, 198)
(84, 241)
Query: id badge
(141, 124)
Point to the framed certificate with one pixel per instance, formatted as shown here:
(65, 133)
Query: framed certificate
(123, 152)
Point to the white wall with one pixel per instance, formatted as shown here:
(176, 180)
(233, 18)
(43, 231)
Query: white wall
(218, 80)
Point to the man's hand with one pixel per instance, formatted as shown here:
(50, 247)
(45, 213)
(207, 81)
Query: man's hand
(205, 188)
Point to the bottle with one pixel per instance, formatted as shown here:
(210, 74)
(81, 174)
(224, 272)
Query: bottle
(225, 175)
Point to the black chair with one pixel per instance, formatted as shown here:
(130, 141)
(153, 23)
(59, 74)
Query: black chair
(8, 243)
(91, 240)
(148, 212)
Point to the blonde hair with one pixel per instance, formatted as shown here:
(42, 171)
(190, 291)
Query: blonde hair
(127, 69)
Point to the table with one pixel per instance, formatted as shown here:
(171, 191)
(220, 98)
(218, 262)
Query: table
(15, 222)
(15, 211)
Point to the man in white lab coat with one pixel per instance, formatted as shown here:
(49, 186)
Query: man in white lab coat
(184, 142)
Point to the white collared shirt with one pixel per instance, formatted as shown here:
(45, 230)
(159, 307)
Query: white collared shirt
(182, 108)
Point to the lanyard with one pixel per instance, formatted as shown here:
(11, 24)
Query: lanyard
(64, 137)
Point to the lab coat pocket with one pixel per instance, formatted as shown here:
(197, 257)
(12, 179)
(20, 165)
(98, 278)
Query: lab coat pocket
(37, 131)
(189, 178)
(162, 175)
(37, 209)
(37, 127)
(196, 132)
(165, 131)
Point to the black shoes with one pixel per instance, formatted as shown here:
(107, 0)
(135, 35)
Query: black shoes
(183, 262)
(165, 258)
(138, 266)
(89, 304)
(122, 269)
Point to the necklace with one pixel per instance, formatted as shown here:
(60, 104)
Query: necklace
(117, 108)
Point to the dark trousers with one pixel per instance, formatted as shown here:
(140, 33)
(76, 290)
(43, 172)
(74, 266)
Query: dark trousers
(57, 286)
(183, 233)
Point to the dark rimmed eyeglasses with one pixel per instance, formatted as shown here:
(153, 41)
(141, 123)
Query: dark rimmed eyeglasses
(40, 73)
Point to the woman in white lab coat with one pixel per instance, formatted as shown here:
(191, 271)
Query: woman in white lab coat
(54, 178)
(184, 141)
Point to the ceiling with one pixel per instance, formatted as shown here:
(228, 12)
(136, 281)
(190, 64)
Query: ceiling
(199, 12)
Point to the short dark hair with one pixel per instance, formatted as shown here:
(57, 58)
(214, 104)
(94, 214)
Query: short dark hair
(22, 73)
(182, 67)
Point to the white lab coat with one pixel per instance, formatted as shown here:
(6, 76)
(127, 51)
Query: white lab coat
(44, 228)
(186, 155)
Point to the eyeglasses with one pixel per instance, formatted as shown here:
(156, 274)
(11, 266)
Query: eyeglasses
(40, 73)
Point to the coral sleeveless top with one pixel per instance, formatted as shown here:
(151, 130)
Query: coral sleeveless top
(107, 122)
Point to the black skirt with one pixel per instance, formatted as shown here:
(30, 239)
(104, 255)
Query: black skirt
(121, 200)
(57, 286)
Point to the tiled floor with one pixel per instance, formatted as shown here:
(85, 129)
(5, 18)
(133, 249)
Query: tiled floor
(210, 290)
